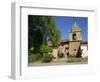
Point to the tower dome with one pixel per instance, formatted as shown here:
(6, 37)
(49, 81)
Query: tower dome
(75, 27)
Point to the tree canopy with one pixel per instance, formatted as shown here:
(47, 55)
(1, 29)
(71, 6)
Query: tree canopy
(40, 30)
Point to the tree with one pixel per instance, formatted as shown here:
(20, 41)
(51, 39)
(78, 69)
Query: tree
(40, 30)
(54, 33)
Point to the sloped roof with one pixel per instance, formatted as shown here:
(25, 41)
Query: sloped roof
(84, 42)
(64, 41)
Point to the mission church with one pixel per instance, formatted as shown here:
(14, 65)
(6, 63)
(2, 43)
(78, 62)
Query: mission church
(74, 46)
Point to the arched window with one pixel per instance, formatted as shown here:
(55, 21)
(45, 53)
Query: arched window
(74, 36)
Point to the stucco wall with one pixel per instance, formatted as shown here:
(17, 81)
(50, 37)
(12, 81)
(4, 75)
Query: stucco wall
(84, 50)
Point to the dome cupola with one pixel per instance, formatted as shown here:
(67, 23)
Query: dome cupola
(75, 27)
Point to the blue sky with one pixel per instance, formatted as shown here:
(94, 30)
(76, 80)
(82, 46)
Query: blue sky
(65, 24)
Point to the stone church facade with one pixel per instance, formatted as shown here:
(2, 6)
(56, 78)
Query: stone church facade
(75, 39)
(74, 46)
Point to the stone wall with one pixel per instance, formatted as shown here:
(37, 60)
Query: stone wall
(55, 52)
(73, 47)
(60, 49)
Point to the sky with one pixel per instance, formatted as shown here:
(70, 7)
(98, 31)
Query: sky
(65, 23)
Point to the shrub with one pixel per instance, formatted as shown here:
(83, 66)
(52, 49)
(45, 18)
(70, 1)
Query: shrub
(47, 58)
(45, 49)
(34, 57)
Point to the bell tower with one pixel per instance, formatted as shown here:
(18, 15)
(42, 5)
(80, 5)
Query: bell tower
(75, 39)
(75, 34)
